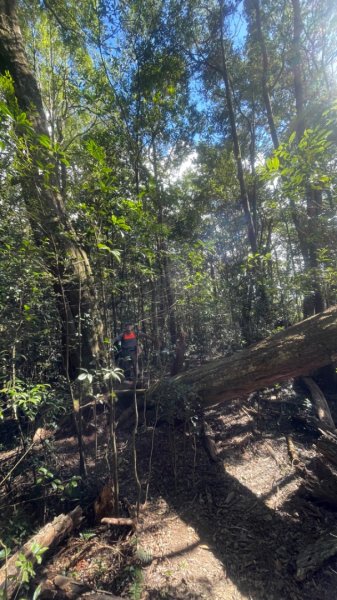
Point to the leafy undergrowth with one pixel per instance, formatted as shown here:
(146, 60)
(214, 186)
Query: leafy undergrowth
(231, 527)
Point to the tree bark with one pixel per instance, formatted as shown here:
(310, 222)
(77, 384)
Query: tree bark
(49, 536)
(235, 139)
(63, 255)
(179, 357)
(262, 300)
(265, 74)
(296, 351)
(306, 225)
(309, 234)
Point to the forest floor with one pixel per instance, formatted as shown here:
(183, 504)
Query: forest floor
(229, 526)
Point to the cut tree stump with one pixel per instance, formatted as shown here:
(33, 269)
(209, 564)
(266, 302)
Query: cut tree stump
(296, 351)
(314, 555)
(49, 536)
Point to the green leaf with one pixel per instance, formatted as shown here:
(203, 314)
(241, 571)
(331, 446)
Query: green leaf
(82, 376)
(103, 247)
(292, 137)
(37, 592)
(45, 141)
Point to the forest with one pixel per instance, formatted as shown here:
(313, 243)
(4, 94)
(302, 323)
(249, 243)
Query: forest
(168, 299)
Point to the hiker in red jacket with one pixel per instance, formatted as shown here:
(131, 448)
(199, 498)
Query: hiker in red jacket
(129, 349)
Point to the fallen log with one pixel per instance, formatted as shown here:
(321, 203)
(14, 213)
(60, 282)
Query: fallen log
(48, 537)
(296, 351)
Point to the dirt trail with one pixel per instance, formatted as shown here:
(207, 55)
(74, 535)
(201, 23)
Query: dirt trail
(225, 530)
(182, 565)
(233, 530)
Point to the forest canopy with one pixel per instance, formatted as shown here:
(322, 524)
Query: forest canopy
(168, 241)
(167, 163)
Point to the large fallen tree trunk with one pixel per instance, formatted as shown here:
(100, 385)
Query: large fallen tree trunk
(296, 351)
(48, 537)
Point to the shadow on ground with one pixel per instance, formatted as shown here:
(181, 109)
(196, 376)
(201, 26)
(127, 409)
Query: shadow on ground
(256, 545)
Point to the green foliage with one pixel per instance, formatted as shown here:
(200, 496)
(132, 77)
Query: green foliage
(26, 398)
(66, 489)
(27, 570)
(136, 587)
(87, 535)
(4, 552)
(178, 402)
(25, 564)
(16, 528)
(104, 374)
(132, 94)
(304, 162)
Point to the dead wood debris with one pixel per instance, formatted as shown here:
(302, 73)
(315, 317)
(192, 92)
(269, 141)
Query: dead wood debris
(48, 537)
(292, 451)
(120, 522)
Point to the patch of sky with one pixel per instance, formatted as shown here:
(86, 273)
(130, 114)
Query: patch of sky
(237, 26)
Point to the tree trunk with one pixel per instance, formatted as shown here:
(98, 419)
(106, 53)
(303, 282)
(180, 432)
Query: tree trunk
(179, 357)
(309, 234)
(265, 74)
(296, 351)
(64, 257)
(262, 300)
(49, 536)
(163, 259)
(306, 225)
(236, 145)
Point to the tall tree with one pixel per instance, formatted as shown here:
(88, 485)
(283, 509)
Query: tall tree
(314, 299)
(64, 257)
